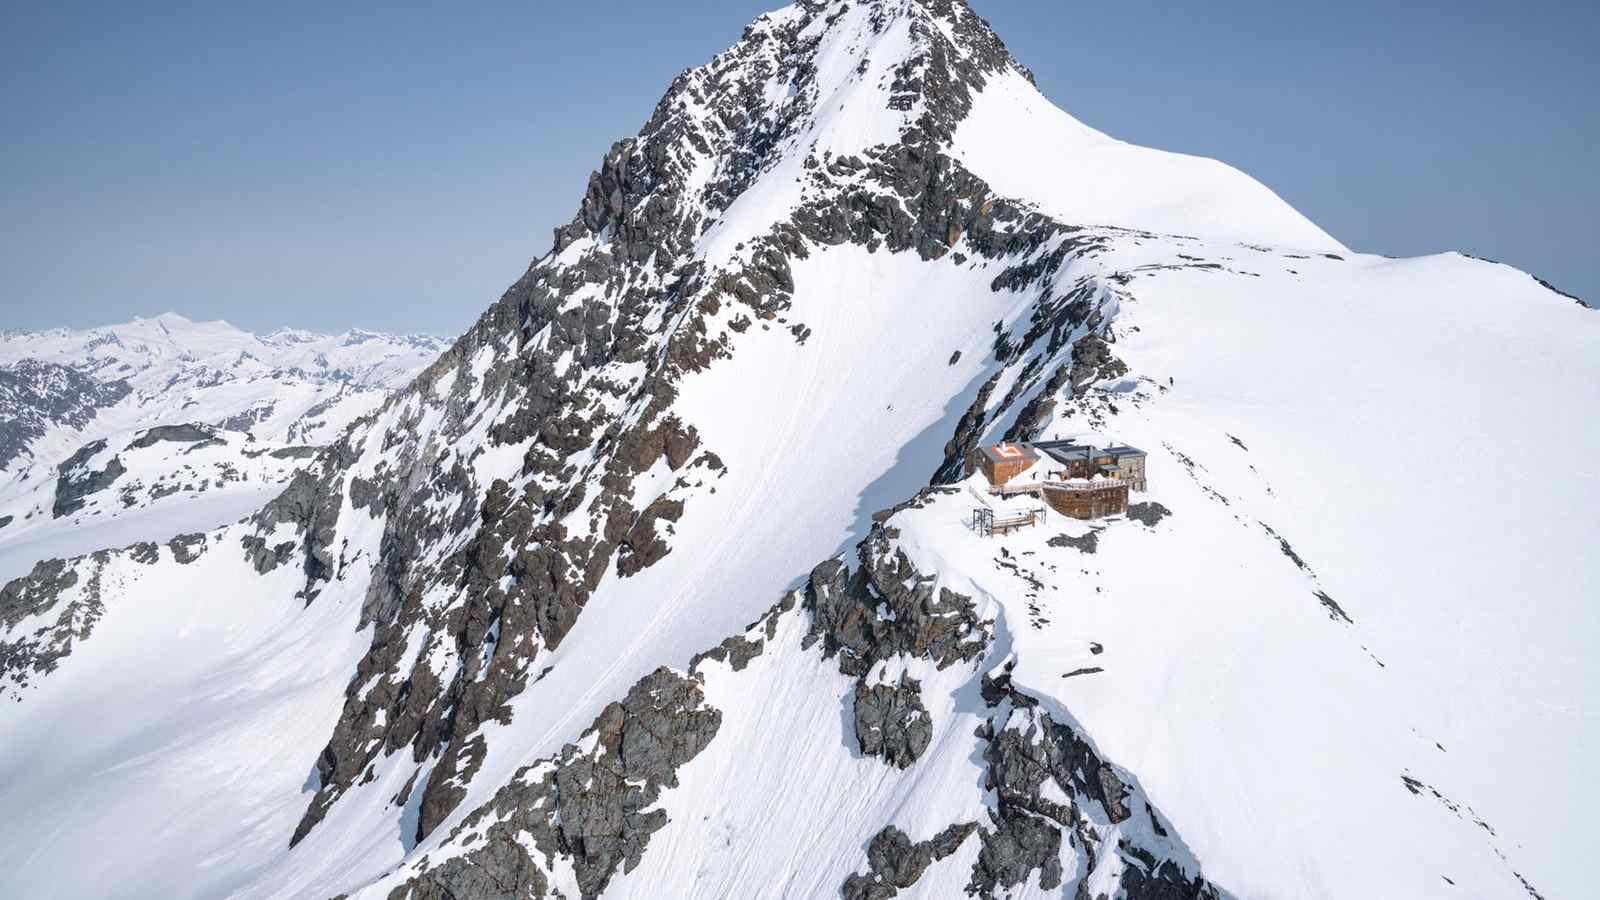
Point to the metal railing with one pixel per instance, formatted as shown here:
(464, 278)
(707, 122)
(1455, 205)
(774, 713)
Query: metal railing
(1084, 485)
(986, 523)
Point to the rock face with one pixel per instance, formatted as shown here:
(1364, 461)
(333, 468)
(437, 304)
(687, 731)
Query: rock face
(891, 721)
(54, 589)
(588, 808)
(76, 480)
(179, 434)
(1030, 758)
(896, 863)
(886, 609)
(36, 396)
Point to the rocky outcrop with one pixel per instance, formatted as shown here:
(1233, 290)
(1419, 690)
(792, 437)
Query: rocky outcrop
(75, 481)
(1031, 758)
(178, 434)
(1148, 514)
(1093, 361)
(186, 548)
(895, 863)
(1083, 543)
(886, 608)
(891, 721)
(62, 602)
(589, 807)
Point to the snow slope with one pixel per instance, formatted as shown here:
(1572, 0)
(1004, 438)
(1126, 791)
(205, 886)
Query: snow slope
(1097, 180)
(170, 482)
(466, 654)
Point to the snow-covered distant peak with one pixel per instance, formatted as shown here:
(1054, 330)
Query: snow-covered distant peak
(292, 385)
(148, 351)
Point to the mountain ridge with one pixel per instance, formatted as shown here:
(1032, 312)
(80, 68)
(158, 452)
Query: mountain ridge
(720, 380)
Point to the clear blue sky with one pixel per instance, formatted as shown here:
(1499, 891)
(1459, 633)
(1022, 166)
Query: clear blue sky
(395, 166)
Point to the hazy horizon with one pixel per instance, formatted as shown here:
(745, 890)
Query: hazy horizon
(396, 168)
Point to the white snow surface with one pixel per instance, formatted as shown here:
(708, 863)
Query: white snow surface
(168, 488)
(1026, 147)
(1416, 430)
(290, 385)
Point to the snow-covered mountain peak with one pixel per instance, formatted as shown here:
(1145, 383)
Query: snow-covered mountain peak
(664, 579)
(738, 145)
(150, 352)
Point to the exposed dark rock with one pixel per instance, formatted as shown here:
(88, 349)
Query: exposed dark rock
(895, 863)
(1027, 749)
(54, 587)
(186, 548)
(1086, 543)
(1335, 611)
(588, 808)
(1287, 550)
(1149, 514)
(1018, 845)
(305, 504)
(1550, 287)
(736, 651)
(919, 622)
(75, 483)
(1093, 361)
(891, 721)
(144, 553)
(178, 434)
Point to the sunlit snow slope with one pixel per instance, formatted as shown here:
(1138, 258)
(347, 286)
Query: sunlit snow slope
(659, 582)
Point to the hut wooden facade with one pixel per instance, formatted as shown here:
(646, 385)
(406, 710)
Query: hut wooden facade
(1088, 500)
(1002, 462)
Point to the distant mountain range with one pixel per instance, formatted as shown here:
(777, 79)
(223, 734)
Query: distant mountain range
(77, 399)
